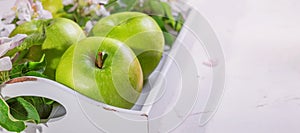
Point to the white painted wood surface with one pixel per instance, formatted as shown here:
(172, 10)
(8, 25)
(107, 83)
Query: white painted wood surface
(261, 43)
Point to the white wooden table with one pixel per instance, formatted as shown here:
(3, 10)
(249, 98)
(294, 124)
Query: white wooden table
(261, 42)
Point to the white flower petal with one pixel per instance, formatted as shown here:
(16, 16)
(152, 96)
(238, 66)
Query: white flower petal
(73, 8)
(103, 11)
(4, 48)
(21, 22)
(9, 17)
(17, 40)
(86, 10)
(18, 37)
(39, 5)
(141, 3)
(88, 26)
(99, 1)
(4, 40)
(24, 15)
(7, 29)
(5, 64)
(10, 43)
(46, 14)
(68, 2)
(24, 10)
(43, 14)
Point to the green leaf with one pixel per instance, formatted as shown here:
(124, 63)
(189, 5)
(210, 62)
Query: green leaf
(124, 5)
(179, 22)
(29, 28)
(36, 35)
(111, 3)
(25, 47)
(18, 70)
(29, 108)
(169, 38)
(34, 53)
(33, 39)
(7, 121)
(36, 74)
(37, 66)
(67, 8)
(160, 22)
(4, 76)
(129, 4)
(168, 14)
(156, 8)
(23, 110)
(29, 69)
(81, 21)
(43, 105)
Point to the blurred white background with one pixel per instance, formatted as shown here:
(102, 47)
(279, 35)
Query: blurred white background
(5, 5)
(261, 42)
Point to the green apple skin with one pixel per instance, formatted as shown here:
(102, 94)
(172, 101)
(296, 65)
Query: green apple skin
(60, 34)
(118, 83)
(55, 36)
(139, 31)
(53, 6)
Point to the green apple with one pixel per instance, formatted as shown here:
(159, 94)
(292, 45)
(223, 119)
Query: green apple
(60, 34)
(139, 31)
(53, 36)
(103, 69)
(53, 6)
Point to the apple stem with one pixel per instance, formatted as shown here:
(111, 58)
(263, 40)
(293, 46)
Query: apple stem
(99, 61)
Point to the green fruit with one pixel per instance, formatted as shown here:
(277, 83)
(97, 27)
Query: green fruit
(53, 6)
(54, 36)
(60, 34)
(117, 81)
(139, 31)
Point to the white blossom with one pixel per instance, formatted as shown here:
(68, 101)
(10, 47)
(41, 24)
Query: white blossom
(6, 29)
(5, 64)
(102, 11)
(121, 3)
(17, 40)
(42, 14)
(98, 9)
(141, 3)
(99, 1)
(89, 25)
(8, 17)
(68, 2)
(24, 10)
(10, 43)
(4, 48)
(73, 8)
(7, 44)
